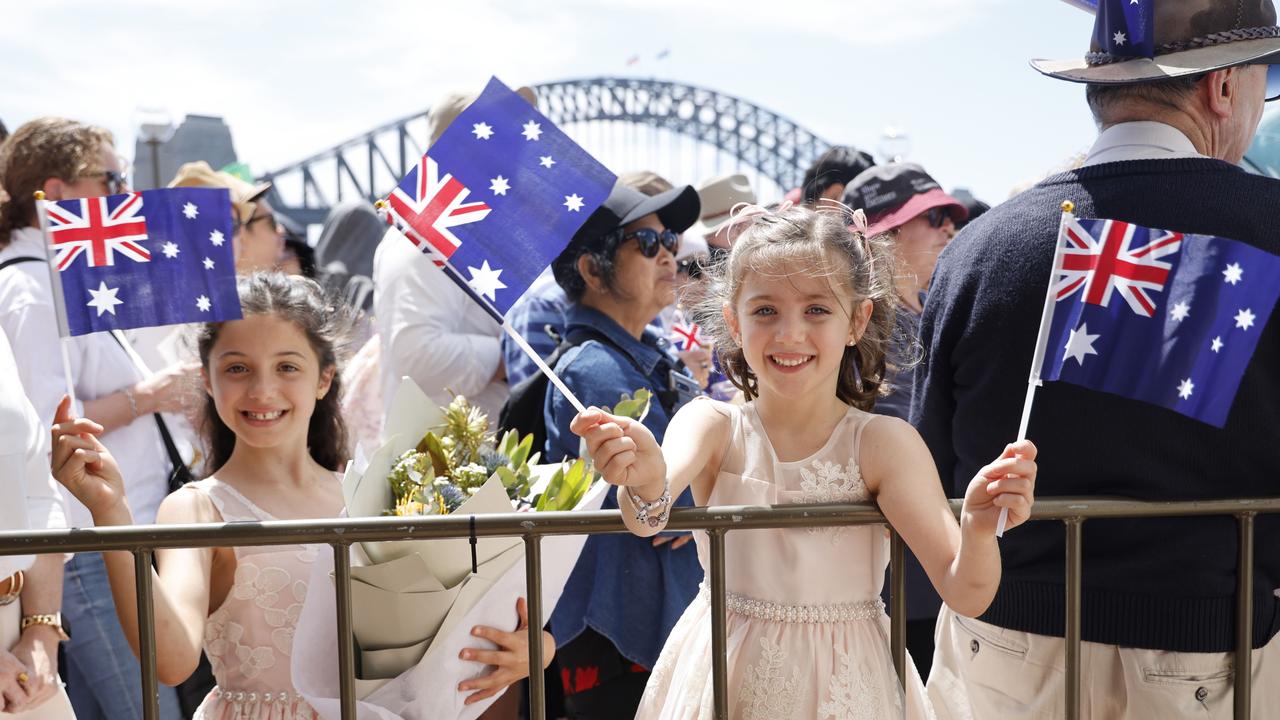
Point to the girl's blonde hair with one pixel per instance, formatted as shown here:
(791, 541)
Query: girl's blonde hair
(825, 242)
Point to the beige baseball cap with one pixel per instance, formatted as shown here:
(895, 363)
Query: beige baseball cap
(450, 106)
(243, 194)
(719, 196)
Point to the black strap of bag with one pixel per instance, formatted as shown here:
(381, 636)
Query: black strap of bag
(179, 473)
(20, 259)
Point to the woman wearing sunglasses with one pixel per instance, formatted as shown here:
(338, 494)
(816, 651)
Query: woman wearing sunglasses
(626, 593)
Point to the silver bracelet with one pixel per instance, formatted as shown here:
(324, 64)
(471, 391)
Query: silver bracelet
(133, 404)
(653, 513)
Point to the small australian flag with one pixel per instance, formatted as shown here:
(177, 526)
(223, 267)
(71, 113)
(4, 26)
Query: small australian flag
(498, 197)
(1126, 28)
(141, 259)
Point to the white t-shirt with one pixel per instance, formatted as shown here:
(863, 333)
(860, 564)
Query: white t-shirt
(24, 465)
(432, 331)
(99, 367)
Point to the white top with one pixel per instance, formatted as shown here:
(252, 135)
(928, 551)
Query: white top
(24, 465)
(1140, 140)
(432, 331)
(99, 367)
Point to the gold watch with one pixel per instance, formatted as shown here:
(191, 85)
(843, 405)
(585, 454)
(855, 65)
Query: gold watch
(53, 620)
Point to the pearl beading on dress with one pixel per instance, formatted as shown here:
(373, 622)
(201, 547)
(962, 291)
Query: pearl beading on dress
(240, 696)
(783, 613)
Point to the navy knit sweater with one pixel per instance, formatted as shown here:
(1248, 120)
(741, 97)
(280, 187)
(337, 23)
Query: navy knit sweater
(1160, 583)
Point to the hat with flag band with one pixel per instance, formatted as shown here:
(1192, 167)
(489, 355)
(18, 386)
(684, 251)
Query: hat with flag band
(1137, 41)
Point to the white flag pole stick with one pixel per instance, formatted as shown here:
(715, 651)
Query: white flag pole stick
(59, 301)
(546, 369)
(1042, 340)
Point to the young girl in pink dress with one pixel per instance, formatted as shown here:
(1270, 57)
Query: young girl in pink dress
(805, 309)
(276, 439)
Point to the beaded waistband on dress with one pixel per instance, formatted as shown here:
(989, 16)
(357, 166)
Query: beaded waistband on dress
(788, 613)
(242, 696)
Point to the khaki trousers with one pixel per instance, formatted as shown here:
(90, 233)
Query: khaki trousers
(981, 671)
(57, 707)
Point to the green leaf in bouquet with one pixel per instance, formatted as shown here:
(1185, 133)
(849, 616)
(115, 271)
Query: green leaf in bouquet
(520, 453)
(552, 490)
(432, 446)
(634, 406)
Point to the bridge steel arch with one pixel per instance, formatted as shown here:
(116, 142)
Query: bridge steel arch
(368, 166)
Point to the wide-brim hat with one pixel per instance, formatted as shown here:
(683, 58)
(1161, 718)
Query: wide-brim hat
(719, 196)
(243, 194)
(894, 193)
(1177, 38)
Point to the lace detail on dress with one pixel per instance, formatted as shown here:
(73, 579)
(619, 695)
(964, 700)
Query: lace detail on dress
(831, 482)
(766, 693)
(854, 693)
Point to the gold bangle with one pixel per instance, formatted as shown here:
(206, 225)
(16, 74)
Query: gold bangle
(53, 620)
(16, 582)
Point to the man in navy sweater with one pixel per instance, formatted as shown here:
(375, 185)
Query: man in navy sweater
(1158, 598)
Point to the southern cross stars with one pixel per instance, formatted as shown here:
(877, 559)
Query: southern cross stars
(1185, 388)
(1217, 344)
(1119, 39)
(203, 304)
(208, 263)
(1233, 274)
(532, 130)
(169, 249)
(190, 211)
(1080, 344)
(482, 131)
(1180, 311)
(573, 202)
(1245, 318)
(484, 280)
(104, 299)
(546, 161)
(217, 238)
(499, 185)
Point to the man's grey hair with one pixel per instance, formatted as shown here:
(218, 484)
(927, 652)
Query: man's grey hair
(1170, 94)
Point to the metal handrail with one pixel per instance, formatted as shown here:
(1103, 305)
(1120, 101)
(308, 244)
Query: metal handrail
(339, 534)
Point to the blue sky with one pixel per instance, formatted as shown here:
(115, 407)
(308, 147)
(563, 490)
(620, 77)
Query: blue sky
(292, 78)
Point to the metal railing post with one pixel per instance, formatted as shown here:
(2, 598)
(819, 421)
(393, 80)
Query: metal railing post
(1072, 630)
(346, 648)
(146, 634)
(719, 656)
(1244, 619)
(898, 605)
(533, 588)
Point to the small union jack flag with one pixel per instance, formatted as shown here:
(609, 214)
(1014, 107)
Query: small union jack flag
(686, 335)
(1194, 309)
(90, 226)
(498, 197)
(156, 257)
(1111, 256)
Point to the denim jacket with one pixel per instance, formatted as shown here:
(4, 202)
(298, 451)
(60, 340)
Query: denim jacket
(623, 587)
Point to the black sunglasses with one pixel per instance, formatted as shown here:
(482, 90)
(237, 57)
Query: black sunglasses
(116, 181)
(649, 239)
(937, 216)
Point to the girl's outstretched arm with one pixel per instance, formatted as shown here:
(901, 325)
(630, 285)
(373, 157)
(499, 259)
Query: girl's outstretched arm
(962, 560)
(626, 454)
(181, 591)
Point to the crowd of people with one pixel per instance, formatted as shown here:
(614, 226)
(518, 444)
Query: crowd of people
(864, 339)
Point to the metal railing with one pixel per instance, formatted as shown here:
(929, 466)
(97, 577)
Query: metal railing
(339, 534)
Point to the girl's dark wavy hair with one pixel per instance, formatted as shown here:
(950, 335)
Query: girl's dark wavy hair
(327, 325)
(815, 243)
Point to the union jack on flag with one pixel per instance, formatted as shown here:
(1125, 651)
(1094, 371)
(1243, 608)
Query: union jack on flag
(686, 335)
(97, 231)
(1121, 257)
(497, 197)
(1194, 310)
(429, 206)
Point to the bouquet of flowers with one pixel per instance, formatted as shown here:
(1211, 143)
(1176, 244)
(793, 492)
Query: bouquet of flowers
(413, 602)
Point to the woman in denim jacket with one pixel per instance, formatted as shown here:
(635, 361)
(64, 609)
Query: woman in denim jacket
(626, 593)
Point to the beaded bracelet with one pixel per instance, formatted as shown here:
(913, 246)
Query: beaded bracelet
(645, 511)
(133, 403)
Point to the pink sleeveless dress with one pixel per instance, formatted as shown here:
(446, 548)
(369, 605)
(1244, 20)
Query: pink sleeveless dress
(249, 638)
(807, 633)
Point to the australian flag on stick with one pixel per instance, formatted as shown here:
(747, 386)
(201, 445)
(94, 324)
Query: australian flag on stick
(498, 197)
(1155, 315)
(141, 259)
(1126, 28)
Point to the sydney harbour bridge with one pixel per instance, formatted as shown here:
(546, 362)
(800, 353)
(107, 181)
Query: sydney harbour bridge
(682, 132)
